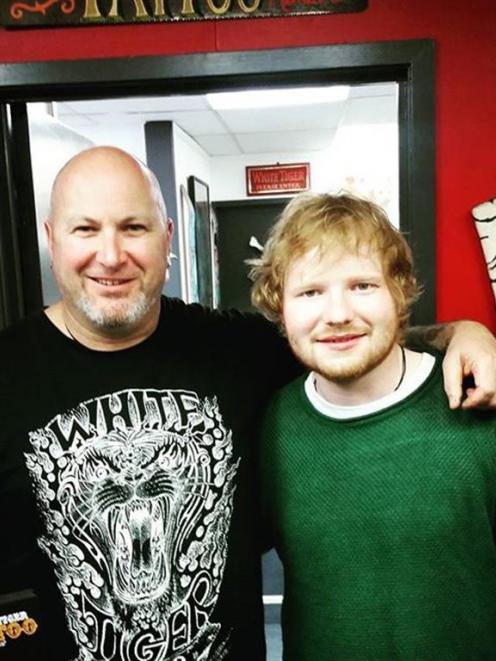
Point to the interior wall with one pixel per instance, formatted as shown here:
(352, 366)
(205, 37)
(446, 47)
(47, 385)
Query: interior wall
(190, 159)
(118, 134)
(466, 100)
(362, 158)
(52, 145)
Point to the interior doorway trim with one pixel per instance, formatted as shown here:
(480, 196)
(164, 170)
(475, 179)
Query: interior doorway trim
(410, 63)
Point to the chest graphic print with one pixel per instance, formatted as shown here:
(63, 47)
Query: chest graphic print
(136, 489)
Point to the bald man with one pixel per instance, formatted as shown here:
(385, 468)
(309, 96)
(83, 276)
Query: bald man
(127, 484)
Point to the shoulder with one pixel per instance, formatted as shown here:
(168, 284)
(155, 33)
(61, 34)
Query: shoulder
(21, 331)
(430, 408)
(19, 342)
(241, 330)
(287, 399)
(245, 339)
(230, 321)
(285, 418)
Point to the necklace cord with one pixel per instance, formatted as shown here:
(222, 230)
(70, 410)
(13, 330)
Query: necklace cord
(71, 336)
(403, 368)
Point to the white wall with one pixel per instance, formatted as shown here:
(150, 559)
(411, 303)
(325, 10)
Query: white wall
(52, 145)
(190, 159)
(124, 134)
(361, 158)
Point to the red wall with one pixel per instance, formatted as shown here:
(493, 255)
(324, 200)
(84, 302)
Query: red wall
(466, 101)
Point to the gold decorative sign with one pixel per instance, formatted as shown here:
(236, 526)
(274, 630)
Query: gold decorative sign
(39, 13)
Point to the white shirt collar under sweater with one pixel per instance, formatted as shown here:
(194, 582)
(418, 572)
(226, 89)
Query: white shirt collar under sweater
(409, 385)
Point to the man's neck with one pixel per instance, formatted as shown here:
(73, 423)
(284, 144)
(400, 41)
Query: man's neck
(69, 324)
(382, 380)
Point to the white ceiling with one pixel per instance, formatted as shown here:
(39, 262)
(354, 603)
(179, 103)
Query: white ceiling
(234, 132)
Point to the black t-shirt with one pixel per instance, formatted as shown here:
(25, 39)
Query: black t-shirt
(127, 485)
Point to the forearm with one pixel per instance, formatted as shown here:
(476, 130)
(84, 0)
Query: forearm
(437, 336)
(470, 351)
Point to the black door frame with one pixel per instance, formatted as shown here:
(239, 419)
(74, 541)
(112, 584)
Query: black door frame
(410, 63)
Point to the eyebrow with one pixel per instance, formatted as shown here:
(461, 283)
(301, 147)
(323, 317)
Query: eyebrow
(88, 219)
(72, 220)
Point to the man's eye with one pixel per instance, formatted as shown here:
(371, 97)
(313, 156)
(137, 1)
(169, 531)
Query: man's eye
(309, 293)
(135, 228)
(363, 286)
(84, 229)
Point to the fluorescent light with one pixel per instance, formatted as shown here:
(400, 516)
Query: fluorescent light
(273, 98)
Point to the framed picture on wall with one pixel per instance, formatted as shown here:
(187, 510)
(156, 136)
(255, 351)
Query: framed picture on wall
(200, 198)
(215, 257)
(187, 249)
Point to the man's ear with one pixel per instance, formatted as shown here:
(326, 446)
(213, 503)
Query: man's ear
(280, 323)
(49, 237)
(170, 229)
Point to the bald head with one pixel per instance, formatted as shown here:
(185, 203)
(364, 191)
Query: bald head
(109, 239)
(105, 164)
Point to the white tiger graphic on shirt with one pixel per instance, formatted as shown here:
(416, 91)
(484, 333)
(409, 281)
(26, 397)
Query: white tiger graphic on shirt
(136, 490)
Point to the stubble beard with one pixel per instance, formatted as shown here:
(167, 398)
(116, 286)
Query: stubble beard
(117, 315)
(345, 369)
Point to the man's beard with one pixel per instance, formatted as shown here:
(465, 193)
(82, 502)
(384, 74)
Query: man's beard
(343, 368)
(117, 315)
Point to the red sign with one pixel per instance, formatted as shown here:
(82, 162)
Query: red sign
(277, 179)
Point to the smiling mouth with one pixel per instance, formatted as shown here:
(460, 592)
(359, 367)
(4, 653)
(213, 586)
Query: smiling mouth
(340, 339)
(107, 282)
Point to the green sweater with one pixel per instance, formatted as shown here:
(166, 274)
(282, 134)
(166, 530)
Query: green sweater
(385, 525)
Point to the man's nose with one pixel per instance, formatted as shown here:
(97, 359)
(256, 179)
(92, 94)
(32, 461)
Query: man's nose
(111, 252)
(337, 308)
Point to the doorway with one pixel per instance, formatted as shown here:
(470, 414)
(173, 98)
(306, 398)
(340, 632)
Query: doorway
(408, 63)
(243, 227)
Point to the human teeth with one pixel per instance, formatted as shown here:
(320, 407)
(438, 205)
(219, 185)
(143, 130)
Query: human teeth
(108, 283)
